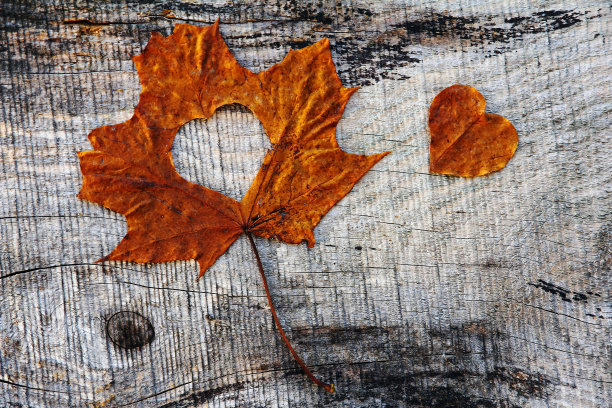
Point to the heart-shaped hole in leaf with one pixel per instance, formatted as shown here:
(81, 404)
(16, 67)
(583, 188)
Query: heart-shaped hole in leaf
(222, 152)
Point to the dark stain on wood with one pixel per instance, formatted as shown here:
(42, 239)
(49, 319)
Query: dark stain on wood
(604, 248)
(408, 390)
(129, 330)
(472, 359)
(565, 294)
(364, 55)
(554, 19)
(526, 384)
(85, 22)
(396, 48)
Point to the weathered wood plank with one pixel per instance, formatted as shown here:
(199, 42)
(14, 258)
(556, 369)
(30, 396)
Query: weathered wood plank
(422, 290)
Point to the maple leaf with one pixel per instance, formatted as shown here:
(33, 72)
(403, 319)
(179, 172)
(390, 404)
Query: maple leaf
(466, 141)
(188, 75)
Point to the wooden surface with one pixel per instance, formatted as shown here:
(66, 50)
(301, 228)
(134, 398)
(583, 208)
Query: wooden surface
(422, 290)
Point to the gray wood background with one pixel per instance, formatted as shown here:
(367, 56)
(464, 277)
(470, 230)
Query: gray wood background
(422, 290)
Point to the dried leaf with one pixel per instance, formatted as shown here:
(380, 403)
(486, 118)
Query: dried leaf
(188, 75)
(466, 141)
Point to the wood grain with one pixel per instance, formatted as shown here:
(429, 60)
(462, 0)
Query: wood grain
(422, 290)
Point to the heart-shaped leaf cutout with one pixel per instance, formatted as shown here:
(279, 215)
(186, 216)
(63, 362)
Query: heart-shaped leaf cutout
(466, 141)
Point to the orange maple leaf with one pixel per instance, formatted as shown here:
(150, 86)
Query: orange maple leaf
(188, 75)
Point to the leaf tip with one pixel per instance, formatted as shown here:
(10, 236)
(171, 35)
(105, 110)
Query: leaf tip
(309, 239)
(378, 156)
(103, 259)
(351, 91)
(204, 265)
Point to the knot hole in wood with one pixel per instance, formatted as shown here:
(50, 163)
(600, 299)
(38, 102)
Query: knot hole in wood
(129, 330)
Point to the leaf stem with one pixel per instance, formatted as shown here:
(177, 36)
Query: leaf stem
(328, 387)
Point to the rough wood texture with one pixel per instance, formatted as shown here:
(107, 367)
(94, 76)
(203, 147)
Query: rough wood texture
(422, 290)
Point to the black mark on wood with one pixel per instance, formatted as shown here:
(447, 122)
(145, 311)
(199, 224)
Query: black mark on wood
(565, 294)
(396, 48)
(404, 388)
(604, 248)
(473, 355)
(363, 54)
(526, 384)
(86, 22)
(129, 330)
